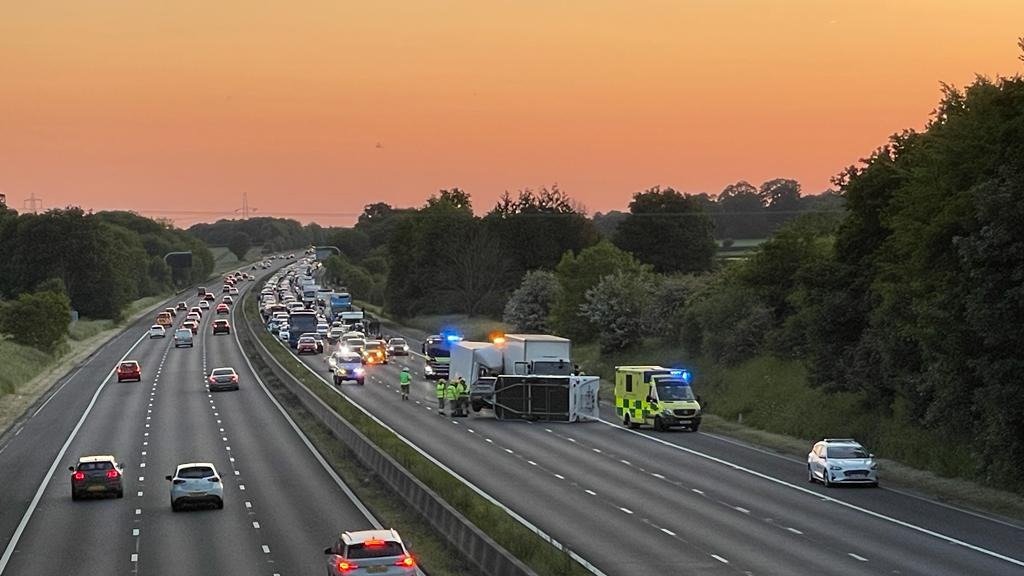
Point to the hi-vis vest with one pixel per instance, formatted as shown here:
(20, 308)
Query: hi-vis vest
(441, 385)
(450, 392)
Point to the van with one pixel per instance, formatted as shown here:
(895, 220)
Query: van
(164, 319)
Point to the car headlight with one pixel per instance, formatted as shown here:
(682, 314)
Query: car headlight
(428, 370)
(359, 370)
(834, 467)
(874, 465)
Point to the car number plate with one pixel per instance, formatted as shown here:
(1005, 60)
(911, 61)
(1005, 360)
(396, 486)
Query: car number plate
(376, 569)
(96, 488)
(194, 493)
(685, 421)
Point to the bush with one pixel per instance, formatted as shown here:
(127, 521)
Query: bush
(618, 305)
(38, 319)
(529, 306)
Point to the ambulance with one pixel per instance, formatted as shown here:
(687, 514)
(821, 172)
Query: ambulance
(655, 396)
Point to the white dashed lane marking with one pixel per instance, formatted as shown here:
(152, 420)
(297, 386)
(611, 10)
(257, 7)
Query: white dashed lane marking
(719, 558)
(856, 557)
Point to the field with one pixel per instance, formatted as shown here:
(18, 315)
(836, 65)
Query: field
(739, 248)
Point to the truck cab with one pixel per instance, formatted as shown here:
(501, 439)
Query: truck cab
(656, 396)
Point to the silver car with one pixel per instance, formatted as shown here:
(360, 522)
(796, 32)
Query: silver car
(223, 379)
(196, 483)
(369, 552)
(841, 461)
(157, 331)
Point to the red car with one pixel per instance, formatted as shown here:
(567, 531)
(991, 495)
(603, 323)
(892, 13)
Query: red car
(221, 327)
(223, 308)
(306, 345)
(129, 370)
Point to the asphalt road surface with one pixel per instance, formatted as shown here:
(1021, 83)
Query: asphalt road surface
(282, 507)
(644, 502)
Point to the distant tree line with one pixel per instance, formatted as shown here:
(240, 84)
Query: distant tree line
(96, 262)
(267, 233)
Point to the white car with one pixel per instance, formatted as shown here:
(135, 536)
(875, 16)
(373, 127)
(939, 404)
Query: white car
(157, 331)
(283, 333)
(196, 482)
(369, 552)
(233, 291)
(204, 304)
(322, 328)
(841, 461)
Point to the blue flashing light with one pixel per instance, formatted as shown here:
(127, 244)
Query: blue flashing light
(683, 375)
(453, 338)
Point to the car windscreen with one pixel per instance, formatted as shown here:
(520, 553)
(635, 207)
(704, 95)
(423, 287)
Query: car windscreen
(373, 345)
(195, 472)
(87, 466)
(673, 391)
(844, 452)
(438, 350)
(396, 342)
(222, 372)
(374, 550)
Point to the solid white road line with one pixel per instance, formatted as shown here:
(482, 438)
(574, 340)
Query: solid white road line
(9, 550)
(872, 513)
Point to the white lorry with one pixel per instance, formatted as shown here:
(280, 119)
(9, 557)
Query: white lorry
(525, 376)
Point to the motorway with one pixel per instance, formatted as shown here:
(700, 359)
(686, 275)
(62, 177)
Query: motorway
(632, 502)
(282, 507)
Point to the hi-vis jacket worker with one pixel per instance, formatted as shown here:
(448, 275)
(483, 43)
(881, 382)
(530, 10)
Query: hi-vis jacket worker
(440, 389)
(403, 382)
(451, 394)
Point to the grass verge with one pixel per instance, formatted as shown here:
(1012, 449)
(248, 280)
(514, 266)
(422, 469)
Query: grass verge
(506, 531)
(767, 402)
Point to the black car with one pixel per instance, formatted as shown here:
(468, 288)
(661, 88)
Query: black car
(96, 476)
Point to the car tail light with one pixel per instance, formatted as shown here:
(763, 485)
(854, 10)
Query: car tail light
(177, 481)
(214, 479)
(234, 378)
(112, 474)
(346, 566)
(79, 476)
(406, 562)
(373, 543)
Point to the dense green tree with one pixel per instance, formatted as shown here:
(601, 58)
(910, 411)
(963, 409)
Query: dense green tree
(420, 256)
(538, 227)
(667, 230)
(741, 212)
(37, 319)
(576, 274)
(619, 303)
(528, 308)
(781, 198)
(239, 244)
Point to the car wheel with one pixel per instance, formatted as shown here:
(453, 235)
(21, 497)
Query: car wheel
(628, 422)
(810, 475)
(360, 381)
(175, 507)
(336, 381)
(75, 496)
(874, 484)
(695, 427)
(824, 478)
(220, 504)
(120, 493)
(659, 424)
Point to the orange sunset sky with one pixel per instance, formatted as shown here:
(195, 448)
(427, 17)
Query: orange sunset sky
(317, 107)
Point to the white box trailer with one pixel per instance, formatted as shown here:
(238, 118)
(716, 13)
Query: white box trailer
(552, 395)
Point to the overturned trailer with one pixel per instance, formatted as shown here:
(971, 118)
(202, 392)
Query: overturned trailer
(527, 377)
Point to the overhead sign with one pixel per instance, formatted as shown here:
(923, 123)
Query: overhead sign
(325, 252)
(178, 259)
